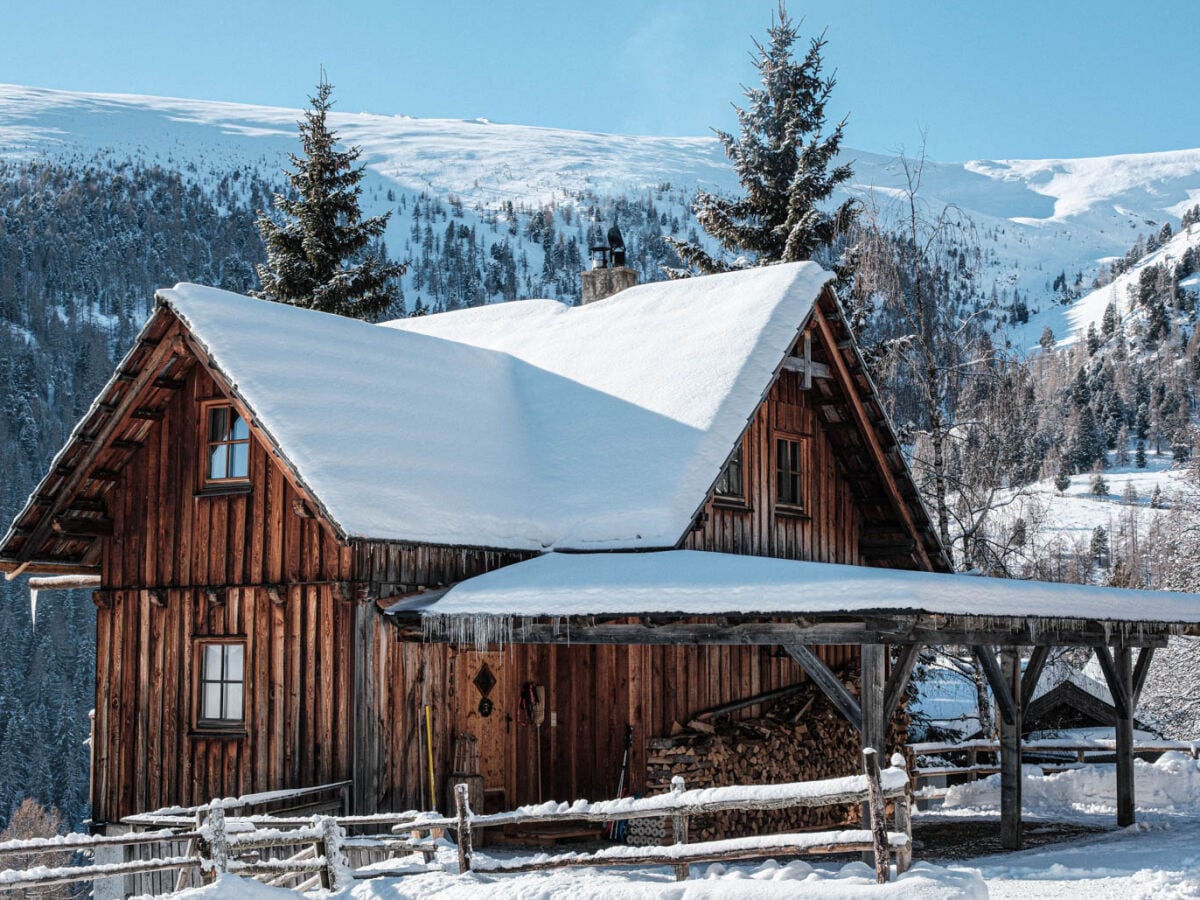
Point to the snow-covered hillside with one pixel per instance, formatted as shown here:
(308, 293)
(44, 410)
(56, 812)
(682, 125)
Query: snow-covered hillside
(1034, 219)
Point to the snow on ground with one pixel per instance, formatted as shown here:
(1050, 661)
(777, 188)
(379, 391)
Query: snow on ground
(1089, 309)
(1169, 786)
(1071, 516)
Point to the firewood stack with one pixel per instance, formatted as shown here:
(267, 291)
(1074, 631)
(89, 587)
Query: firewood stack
(800, 738)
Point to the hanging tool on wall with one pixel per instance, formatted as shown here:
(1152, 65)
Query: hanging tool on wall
(429, 746)
(532, 711)
(616, 829)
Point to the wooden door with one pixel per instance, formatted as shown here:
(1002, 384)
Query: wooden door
(475, 677)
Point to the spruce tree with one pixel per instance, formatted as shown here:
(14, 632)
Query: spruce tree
(782, 159)
(321, 253)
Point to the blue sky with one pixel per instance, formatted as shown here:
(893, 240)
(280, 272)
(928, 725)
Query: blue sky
(981, 79)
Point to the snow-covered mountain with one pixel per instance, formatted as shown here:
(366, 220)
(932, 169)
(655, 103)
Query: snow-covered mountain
(1034, 219)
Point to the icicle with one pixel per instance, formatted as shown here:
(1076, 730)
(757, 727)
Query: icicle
(33, 592)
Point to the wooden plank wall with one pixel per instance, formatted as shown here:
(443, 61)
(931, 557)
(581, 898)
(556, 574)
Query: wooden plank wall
(298, 651)
(592, 692)
(828, 531)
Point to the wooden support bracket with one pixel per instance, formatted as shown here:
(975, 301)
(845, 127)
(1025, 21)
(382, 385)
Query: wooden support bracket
(995, 678)
(898, 680)
(1122, 701)
(1033, 670)
(828, 682)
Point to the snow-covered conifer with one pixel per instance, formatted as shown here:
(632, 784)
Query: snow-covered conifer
(321, 253)
(784, 162)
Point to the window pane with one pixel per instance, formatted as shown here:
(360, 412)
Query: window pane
(233, 701)
(218, 423)
(239, 460)
(216, 461)
(212, 663)
(233, 662)
(238, 430)
(211, 706)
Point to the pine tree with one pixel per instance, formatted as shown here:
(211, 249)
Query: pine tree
(1062, 480)
(323, 255)
(782, 159)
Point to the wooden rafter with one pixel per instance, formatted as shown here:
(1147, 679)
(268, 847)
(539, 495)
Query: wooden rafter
(867, 426)
(80, 469)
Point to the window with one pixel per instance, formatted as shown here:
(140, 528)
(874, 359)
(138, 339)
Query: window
(228, 447)
(788, 471)
(731, 484)
(222, 688)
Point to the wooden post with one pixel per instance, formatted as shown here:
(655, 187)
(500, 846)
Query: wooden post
(218, 843)
(871, 701)
(1010, 752)
(903, 814)
(878, 814)
(679, 828)
(464, 828)
(333, 875)
(1125, 790)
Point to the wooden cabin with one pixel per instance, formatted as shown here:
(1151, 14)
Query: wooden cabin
(257, 485)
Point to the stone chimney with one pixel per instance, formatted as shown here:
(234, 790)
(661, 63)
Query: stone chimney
(609, 275)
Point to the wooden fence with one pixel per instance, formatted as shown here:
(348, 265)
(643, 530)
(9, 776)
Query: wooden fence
(310, 852)
(973, 759)
(873, 790)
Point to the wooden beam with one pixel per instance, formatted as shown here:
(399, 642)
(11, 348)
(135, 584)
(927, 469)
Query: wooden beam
(1139, 673)
(1010, 751)
(167, 383)
(897, 682)
(764, 697)
(996, 681)
(70, 484)
(829, 683)
(147, 413)
(1123, 669)
(897, 629)
(804, 365)
(78, 526)
(87, 504)
(1033, 669)
(1122, 701)
(868, 428)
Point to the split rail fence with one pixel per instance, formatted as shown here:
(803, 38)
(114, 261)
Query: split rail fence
(980, 758)
(871, 790)
(188, 846)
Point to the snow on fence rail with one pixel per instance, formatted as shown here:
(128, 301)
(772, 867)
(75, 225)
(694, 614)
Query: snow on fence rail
(1081, 748)
(873, 788)
(216, 842)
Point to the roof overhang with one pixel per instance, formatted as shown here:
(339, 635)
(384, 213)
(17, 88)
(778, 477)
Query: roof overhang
(693, 597)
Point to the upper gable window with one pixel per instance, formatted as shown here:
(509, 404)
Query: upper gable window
(788, 472)
(228, 448)
(731, 484)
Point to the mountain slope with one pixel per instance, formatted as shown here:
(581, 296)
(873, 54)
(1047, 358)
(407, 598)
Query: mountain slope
(1033, 219)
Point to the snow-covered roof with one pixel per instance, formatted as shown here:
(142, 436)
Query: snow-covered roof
(525, 425)
(700, 583)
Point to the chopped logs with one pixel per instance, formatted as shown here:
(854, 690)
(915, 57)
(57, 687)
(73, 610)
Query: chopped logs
(802, 737)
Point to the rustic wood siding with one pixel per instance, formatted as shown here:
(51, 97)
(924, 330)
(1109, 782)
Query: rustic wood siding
(828, 529)
(593, 692)
(299, 661)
